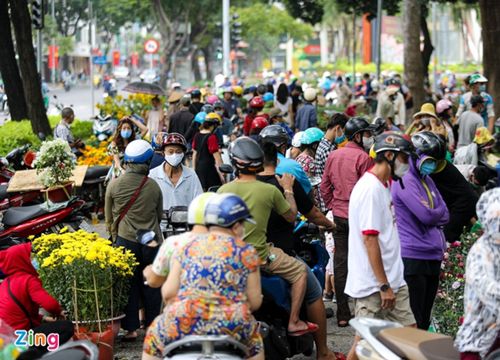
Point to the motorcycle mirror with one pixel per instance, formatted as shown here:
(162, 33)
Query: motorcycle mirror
(145, 236)
(226, 169)
(41, 136)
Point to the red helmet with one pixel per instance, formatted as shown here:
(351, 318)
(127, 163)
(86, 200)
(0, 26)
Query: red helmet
(174, 139)
(257, 102)
(259, 122)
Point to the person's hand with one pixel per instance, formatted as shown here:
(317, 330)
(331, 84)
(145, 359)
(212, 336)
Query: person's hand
(388, 299)
(286, 181)
(62, 315)
(331, 227)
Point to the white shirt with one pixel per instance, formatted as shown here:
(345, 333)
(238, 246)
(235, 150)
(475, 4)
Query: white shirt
(187, 188)
(371, 212)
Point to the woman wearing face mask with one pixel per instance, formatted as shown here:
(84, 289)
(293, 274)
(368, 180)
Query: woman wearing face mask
(125, 133)
(422, 119)
(444, 109)
(420, 214)
(310, 142)
(206, 153)
(178, 183)
(213, 285)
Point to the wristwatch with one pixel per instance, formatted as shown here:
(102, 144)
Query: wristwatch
(385, 287)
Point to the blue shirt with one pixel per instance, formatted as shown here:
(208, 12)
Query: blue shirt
(289, 166)
(306, 117)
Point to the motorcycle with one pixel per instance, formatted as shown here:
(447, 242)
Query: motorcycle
(174, 221)
(93, 189)
(22, 222)
(386, 340)
(104, 127)
(221, 347)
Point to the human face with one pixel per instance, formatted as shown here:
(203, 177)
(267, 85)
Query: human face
(228, 96)
(126, 126)
(173, 149)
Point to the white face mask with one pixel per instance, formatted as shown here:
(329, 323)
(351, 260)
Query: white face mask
(400, 168)
(367, 143)
(174, 159)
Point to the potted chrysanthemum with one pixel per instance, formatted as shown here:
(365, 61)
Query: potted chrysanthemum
(90, 278)
(54, 165)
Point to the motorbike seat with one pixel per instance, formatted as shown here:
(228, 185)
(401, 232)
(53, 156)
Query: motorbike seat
(196, 344)
(3, 191)
(17, 215)
(96, 173)
(416, 344)
(276, 288)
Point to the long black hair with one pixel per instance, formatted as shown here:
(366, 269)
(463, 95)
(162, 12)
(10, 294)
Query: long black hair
(282, 94)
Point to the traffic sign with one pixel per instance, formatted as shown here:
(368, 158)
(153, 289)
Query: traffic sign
(151, 46)
(99, 60)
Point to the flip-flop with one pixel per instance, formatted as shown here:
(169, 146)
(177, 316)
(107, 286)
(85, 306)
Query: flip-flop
(343, 323)
(311, 327)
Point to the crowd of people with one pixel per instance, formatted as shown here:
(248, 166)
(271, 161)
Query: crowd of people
(388, 194)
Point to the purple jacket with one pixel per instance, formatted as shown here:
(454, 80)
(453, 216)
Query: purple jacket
(419, 222)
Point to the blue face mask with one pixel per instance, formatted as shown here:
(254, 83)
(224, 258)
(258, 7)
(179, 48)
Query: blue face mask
(126, 134)
(428, 167)
(340, 139)
(482, 88)
(35, 264)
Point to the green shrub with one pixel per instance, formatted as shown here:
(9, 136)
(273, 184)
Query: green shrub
(14, 134)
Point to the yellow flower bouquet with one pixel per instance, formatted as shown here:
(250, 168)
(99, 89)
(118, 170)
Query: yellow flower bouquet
(86, 274)
(96, 156)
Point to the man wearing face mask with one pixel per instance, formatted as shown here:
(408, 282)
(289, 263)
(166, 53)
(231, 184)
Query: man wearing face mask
(421, 214)
(181, 120)
(178, 183)
(469, 121)
(477, 85)
(343, 169)
(375, 279)
(227, 126)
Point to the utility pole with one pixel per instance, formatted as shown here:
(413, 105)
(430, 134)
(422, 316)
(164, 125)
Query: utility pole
(379, 37)
(434, 41)
(53, 73)
(91, 58)
(353, 50)
(225, 38)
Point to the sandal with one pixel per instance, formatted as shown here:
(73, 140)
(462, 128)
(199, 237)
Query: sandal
(343, 323)
(311, 327)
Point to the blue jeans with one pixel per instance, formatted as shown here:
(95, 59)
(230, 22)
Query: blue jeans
(140, 293)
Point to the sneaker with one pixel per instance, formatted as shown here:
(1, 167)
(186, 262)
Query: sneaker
(334, 299)
(327, 297)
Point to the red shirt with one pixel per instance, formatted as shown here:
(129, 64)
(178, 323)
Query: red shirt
(343, 169)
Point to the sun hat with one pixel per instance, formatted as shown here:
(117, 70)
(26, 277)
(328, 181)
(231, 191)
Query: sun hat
(427, 109)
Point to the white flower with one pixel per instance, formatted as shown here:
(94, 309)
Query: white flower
(455, 285)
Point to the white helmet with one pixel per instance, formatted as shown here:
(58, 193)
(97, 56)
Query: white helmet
(375, 85)
(327, 74)
(196, 209)
(138, 152)
(310, 94)
(297, 139)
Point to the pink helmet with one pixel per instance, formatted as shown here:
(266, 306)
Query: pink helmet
(443, 105)
(212, 99)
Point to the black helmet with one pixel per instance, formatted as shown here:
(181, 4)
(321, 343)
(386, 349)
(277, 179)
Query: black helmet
(246, 155)
(207, 108)
(274, 134)
(356, 125)
(430, 144)
(378, 126)
(196, 93)
(218, 105)
(392, 141)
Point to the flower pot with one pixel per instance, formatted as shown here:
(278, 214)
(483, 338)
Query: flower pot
(103, 340)
(59, 193)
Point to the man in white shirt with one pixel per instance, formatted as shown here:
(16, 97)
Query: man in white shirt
(178, 183)
(375, 279)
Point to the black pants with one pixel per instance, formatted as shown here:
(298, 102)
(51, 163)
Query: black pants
(151, 298)
(340, 268)
(64, 328)
(423, 290)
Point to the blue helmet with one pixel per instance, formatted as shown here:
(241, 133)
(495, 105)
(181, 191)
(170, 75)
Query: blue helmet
(138, 152)
(226, 210)
(207, 108)
(312, 135)
(268, 96)
(200, 117)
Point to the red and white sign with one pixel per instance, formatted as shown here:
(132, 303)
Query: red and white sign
(151, 46)
(312, 49)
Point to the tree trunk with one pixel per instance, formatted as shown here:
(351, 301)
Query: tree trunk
(13, 83)
(207, 54)
(413, 67)
(21, 21)
(428, 48)
(490, 18)
(195, 66)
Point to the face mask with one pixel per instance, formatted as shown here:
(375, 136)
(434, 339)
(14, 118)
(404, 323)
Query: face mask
(425, 121)
(482, 88)
(174, 159)
(400, 168)
(367, 143)
(35, 264)
(428, 167)
(126, 134)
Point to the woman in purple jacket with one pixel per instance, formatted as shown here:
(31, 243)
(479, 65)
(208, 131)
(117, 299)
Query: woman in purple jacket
(420, 215)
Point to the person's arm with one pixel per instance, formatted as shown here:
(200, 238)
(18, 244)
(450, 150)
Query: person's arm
(108, 210)
(218, 162)
(491, 124)
(461, 107)
(154, 280)
(142, 128)
(195, 156)
(254, 290)
(171, 287)
(375, 259)
(41, 297)
(481, 275)
(326, 186)
(317, 217)
(286, 182)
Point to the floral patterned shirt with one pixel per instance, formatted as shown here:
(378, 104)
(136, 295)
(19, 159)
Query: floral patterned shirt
(307, 163)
